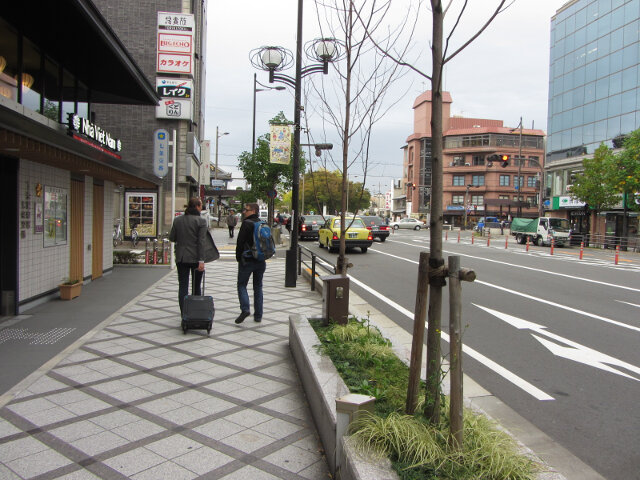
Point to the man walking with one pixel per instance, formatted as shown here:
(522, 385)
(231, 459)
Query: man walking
(247, 265)
(189, 234)
(232, 221)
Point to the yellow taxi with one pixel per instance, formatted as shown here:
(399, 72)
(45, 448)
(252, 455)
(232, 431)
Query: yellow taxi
(357, 234)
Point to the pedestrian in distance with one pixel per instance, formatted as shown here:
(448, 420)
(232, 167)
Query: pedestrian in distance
(248, 266)
(232, 221)
(189, 234)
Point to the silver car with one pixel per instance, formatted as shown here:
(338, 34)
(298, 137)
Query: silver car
(410, 223)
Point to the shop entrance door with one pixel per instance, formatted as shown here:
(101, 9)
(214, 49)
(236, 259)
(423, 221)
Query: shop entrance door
(76, 260)
(9, 232)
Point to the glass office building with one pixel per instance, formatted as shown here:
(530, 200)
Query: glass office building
(593, 78)
(594, 92)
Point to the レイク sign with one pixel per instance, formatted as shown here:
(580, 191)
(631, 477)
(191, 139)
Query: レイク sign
(86, 128)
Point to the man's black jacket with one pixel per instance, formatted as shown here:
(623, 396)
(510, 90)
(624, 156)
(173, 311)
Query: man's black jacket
(245, 236)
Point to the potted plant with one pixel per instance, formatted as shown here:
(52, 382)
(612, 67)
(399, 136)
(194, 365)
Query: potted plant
(70, 289)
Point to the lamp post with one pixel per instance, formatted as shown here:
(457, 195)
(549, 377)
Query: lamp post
(273, 59)
(466, 196)
(253, 138)
(215, 173)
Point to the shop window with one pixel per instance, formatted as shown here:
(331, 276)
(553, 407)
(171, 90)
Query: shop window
(55, 216)
(8, 62)
(477, 199)
(457, 200)
(31, 88)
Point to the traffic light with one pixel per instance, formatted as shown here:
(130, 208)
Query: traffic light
(504, 159)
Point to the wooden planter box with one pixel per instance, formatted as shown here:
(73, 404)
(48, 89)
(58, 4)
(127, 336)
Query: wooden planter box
(68, 292)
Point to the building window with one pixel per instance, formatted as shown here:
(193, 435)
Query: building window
(531, 181)
(477, 180)
(503, 197)
(458, 161)
(519, 198)
(504, 180)
(478, 160)
(534, 161)
(457, 200)
(532, 200)
(458, 180)
(517, 181)
(477, 199)
(519, 161)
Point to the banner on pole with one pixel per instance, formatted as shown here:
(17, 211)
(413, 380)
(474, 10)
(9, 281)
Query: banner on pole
(280, 144)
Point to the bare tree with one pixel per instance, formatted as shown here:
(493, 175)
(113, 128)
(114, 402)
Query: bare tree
(439, 57)
(352, 104)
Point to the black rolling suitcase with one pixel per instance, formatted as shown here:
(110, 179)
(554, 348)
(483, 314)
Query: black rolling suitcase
(197, 310)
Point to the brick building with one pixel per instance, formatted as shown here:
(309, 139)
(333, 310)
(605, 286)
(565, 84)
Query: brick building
(470, 178)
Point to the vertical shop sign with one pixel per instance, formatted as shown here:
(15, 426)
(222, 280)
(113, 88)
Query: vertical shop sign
(160, 152)
(175, 43)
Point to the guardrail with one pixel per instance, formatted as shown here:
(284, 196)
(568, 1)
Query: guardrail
(606, 241)
(323, 263)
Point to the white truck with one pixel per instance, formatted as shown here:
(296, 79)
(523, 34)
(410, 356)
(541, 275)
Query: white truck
(540, 231)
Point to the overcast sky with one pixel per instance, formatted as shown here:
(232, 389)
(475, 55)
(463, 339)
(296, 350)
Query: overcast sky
(502, 75)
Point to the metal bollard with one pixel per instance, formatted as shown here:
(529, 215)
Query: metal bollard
(617, 254)
(458, 237)
(552, 245)
(506, 241)
(165, 250)
(489, 238)
(155, 251)
(581, 249)
(313, 272)
(446, 235)
(147, 249)
(473, 237)
(527, 249)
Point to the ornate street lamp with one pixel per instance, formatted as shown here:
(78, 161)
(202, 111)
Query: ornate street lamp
(275, 59)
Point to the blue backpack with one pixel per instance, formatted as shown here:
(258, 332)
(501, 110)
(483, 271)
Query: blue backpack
(264, 246)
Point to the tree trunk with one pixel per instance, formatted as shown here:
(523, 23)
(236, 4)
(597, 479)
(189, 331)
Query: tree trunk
(341, 266)
(436, 262)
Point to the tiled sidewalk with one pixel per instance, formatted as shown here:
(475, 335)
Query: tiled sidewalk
(142, 400)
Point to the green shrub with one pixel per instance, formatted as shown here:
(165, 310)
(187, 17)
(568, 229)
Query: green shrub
(417, 449)
(124, 257)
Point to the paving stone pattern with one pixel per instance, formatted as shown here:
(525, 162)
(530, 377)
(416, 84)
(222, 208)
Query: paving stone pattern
(142, 400)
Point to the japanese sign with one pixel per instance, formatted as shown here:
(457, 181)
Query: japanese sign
(280, 144)
(175, 43)
(174, 87)
(160, 152)
(174, 108)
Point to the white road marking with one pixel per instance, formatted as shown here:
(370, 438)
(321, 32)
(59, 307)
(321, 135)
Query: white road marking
(499, 369)
(629, 303)
(573, 277)
(575, 351)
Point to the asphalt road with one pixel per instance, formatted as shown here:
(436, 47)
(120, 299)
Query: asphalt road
(554, 337)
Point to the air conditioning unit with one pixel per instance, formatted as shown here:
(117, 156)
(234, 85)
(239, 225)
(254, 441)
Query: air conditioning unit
(467, 164)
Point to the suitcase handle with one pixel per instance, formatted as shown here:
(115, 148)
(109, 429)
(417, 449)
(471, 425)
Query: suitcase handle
(193, 281)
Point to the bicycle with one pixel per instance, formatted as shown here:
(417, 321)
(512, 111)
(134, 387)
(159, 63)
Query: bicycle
(117, 233)
(134, 235)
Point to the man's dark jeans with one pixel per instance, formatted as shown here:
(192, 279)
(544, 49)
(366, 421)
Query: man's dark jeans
(245, 269)
(183, 281)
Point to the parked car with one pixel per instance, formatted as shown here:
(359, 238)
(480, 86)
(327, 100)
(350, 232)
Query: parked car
(357, 234)
(410, 223)
(310, 226)
(377, 226)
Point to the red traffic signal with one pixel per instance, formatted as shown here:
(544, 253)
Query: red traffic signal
(504, 159)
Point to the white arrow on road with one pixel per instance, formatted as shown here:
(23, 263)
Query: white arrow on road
(575, 351)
